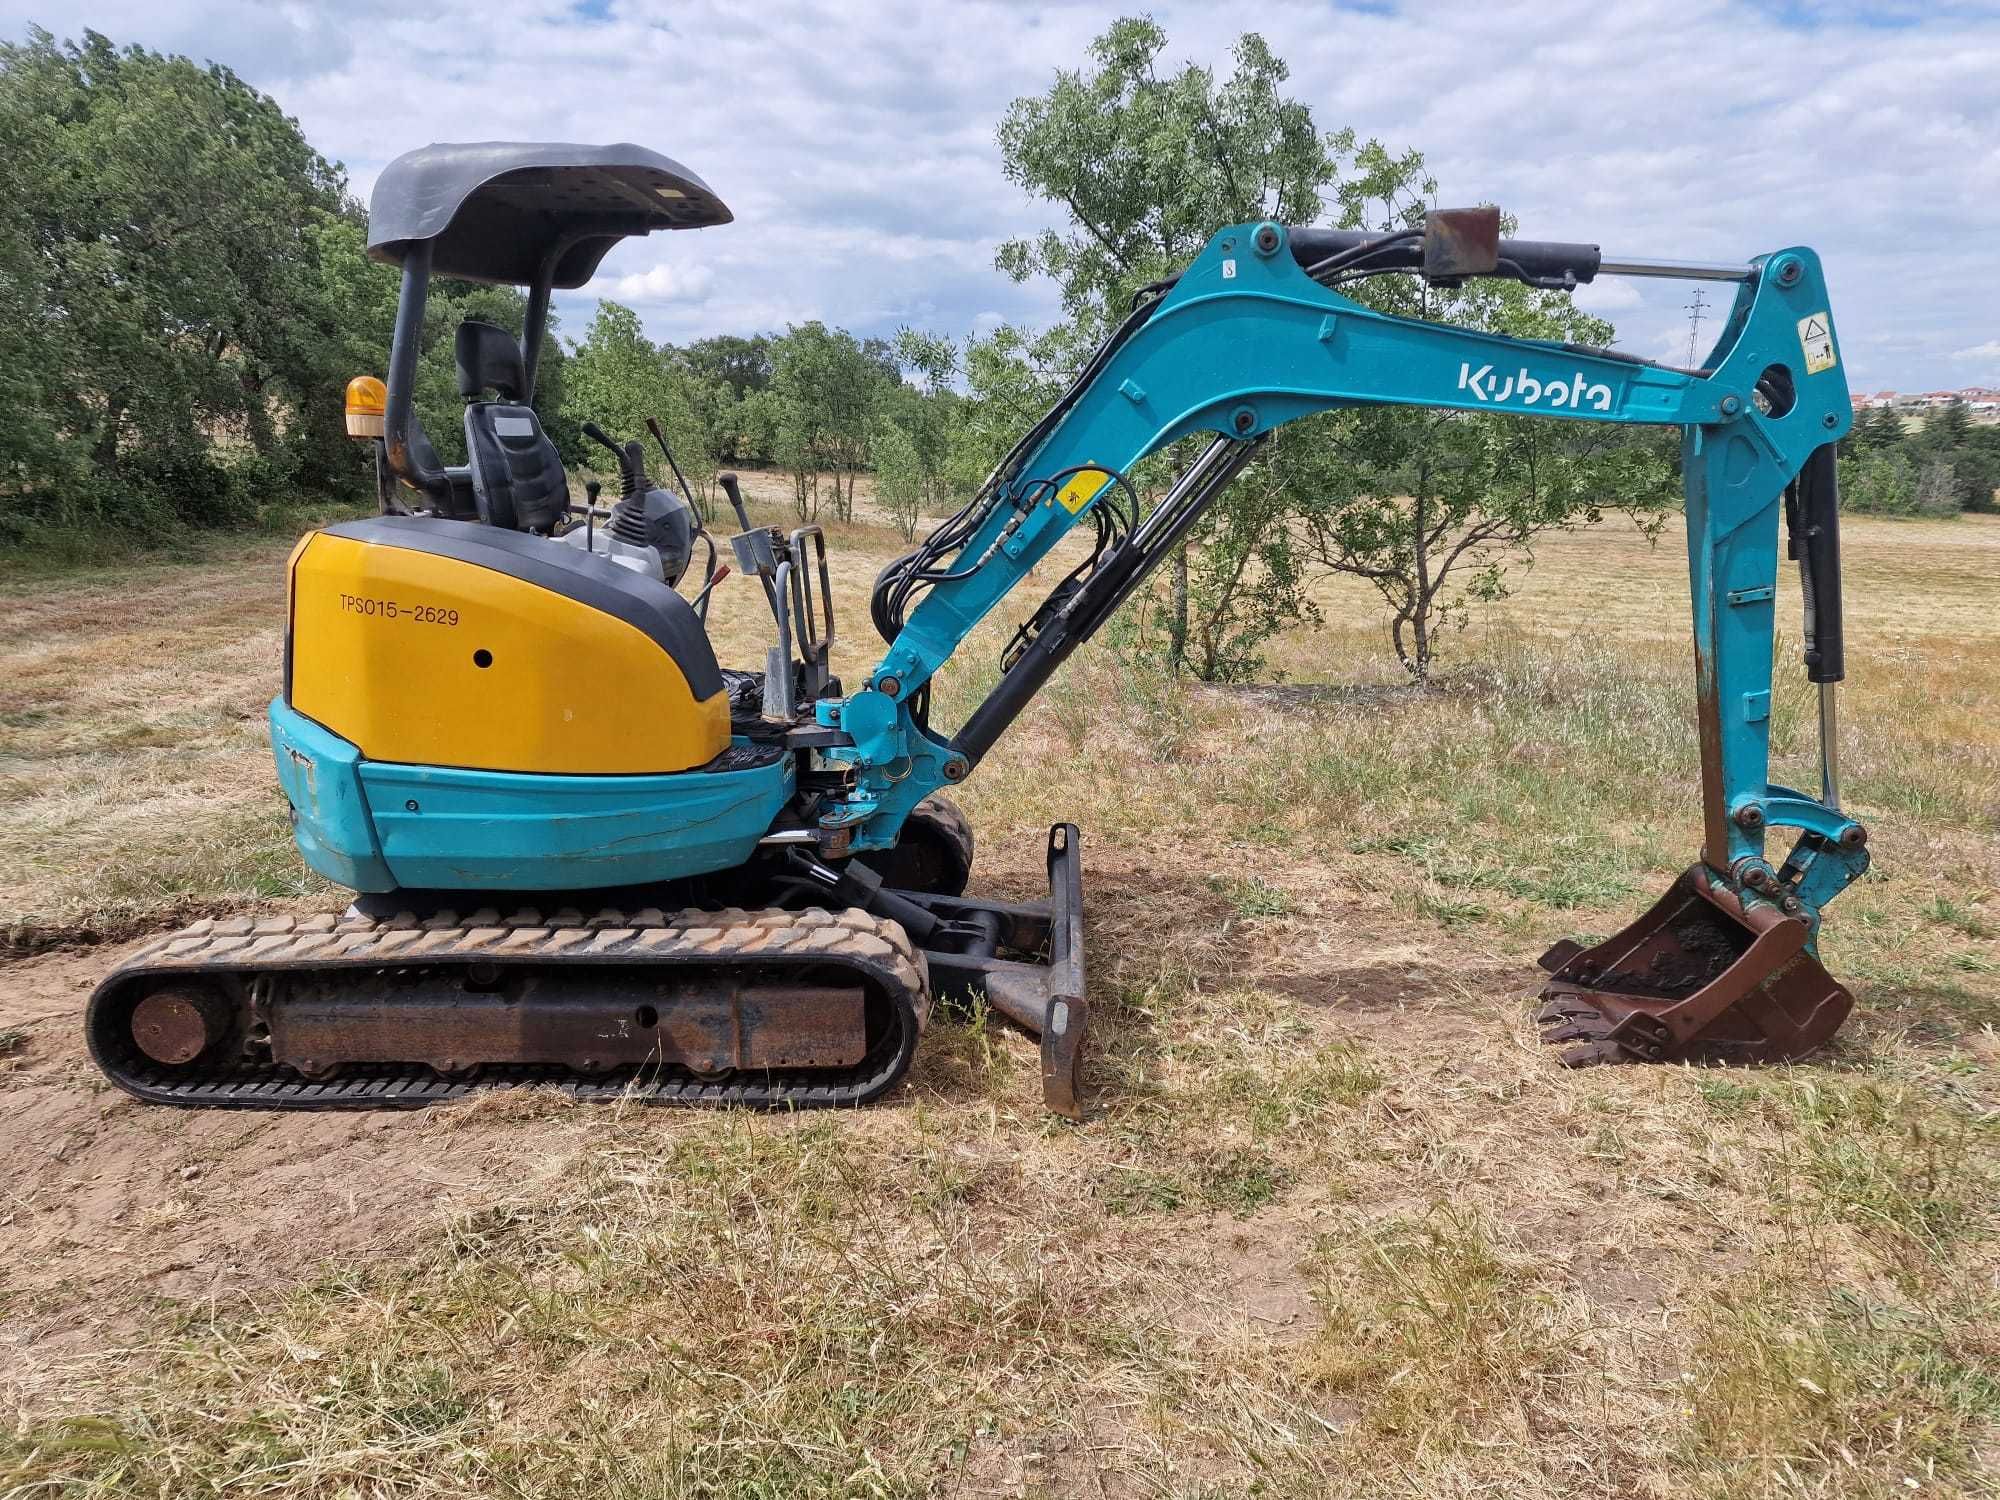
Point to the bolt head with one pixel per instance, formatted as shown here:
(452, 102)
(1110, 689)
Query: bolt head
(1750, 815)
(889, 684)
(1266, 239)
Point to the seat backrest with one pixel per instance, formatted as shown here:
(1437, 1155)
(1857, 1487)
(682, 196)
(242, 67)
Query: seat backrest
(517, 475)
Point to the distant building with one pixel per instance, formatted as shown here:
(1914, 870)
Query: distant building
(1980, 401)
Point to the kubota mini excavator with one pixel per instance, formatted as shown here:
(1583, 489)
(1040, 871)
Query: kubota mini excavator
(584, 854)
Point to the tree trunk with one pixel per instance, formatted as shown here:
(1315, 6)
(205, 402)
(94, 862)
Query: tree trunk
(104, 455)
(1177, 613)
(1420, 665)
(257, 416)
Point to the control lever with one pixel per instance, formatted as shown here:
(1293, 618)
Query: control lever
(735, 493)
(753, 548)
(1812, 524)
(714, 578)
(653, 426)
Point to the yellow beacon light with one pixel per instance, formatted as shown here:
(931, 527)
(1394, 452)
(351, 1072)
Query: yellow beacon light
(366, 399)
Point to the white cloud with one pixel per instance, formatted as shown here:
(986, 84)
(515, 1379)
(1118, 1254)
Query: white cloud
(855, 143)
(1608, 295)
(1989, 351)
(664, 283)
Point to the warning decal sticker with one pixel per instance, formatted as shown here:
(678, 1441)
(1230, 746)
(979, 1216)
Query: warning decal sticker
(1082, 489)
(1816, 339)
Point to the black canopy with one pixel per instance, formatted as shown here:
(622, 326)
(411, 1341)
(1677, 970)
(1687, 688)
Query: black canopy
(494, 210)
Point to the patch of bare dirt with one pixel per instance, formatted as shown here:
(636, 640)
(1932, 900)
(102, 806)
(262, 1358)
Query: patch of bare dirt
(111, 1204)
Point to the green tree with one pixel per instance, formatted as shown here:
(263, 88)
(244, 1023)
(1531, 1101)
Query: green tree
(1878, 481)
(618, 378)
(164, 219)
(1429, 506)
(1980, 480)
(915, 424)
(1877, 427)
(1146, 164)
(822, 397)
(1949, 441)
(743, 364)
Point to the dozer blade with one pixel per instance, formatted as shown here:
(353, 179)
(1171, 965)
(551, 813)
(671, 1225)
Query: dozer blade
(1698, 978)
(1029, 968)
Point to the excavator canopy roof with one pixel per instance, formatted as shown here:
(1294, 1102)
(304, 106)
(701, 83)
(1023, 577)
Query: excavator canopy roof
(515, 211)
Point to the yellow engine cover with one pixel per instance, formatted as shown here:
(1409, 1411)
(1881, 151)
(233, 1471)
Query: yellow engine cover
(444, 643)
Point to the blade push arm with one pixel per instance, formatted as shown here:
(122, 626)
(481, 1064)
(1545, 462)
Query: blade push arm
(1245, 341)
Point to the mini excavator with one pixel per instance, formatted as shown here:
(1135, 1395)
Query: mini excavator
(586, 855)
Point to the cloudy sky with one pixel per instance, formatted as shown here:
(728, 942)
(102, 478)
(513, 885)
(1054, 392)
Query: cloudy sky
(855, 141)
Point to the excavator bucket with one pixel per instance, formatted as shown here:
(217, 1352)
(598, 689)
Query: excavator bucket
(1698, 978)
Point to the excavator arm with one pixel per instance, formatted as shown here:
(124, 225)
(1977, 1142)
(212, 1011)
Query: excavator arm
(1251, 336)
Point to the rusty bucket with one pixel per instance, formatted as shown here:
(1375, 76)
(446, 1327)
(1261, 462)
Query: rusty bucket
(1698, 978)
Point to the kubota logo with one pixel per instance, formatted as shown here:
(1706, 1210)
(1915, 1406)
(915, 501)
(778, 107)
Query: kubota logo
(1526, 389)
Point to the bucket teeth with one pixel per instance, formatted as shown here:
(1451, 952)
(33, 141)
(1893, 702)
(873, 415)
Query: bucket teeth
(1566, 1007)
(1595, 1054)
(1575, 1031)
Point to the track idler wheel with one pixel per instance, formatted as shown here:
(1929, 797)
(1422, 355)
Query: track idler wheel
(176, 1026)
(1700, 977)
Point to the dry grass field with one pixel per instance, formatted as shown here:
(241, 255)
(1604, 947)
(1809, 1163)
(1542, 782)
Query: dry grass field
(1337, 1224)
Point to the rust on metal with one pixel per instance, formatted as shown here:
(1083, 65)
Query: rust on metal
(1699, 977)
(1461, 242)
(175, 1026)
(704, 1029)
(1708, 728)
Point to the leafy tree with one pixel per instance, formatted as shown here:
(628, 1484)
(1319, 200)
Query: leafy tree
(1947, 428)
(822, 394)
(1878, 481)
(1011, 377)
(915, 424)
(1979, 468)
(743, 364)
(164, 219)
(1428, 505)
(1877, 427)
(1972, 455)
(618, 378)
(1146, 165)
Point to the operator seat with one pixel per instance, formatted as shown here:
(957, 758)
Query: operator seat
(517, 475)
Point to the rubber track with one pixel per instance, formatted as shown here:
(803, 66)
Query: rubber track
(242, 948)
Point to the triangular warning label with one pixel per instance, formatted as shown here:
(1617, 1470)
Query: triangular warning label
(1815, 329)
